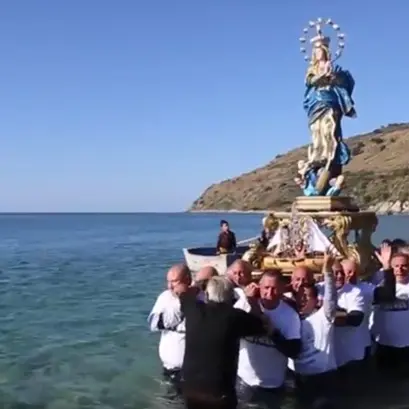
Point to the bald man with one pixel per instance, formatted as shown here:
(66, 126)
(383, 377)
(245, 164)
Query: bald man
(351, 327)
(239, 273)
(167, 318)
(202, 278)
(351, 272)
(301, 276)
(206, 273)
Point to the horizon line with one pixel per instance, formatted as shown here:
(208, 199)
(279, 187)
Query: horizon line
(86, 212)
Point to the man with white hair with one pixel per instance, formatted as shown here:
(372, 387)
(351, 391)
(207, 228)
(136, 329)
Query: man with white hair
(213, 330)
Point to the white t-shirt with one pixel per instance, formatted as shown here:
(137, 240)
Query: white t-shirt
(172, 342)
(317, 353)
(391, 320)
(260, 363)
(289, 295)
(368, 293)
(349, 343)
(239, 293)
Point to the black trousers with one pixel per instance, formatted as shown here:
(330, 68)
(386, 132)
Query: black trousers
(392, 361)
(172, 383)
(258, 397)
(312, 389)
(203, 400)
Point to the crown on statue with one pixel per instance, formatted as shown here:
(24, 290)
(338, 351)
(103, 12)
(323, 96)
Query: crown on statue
(319, 39)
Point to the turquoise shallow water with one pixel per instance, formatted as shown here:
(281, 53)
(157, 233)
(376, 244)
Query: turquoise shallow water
(75, 293)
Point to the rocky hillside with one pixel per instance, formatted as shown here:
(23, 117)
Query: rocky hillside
(377, 176)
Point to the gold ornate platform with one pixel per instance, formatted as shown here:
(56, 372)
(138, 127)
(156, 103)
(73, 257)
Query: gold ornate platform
(325, 203)
(348, 229)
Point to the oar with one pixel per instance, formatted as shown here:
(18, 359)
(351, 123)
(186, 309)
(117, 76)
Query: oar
(248, 240)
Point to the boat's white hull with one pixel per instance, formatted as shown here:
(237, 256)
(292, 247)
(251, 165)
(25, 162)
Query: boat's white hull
(197, 258)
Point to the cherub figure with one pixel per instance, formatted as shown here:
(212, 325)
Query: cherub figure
(308, 177)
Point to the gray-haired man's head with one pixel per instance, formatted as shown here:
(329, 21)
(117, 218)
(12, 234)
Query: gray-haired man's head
(220, 290)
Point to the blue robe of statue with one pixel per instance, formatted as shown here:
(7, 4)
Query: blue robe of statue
(310, 183)
(336, 96)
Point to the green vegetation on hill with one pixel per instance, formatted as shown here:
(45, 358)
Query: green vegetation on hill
(378, 173)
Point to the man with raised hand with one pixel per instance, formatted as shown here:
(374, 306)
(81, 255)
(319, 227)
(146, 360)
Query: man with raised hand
(391, 314)
(315, 367)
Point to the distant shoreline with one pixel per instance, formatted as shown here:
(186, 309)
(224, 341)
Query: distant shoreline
(233, 211)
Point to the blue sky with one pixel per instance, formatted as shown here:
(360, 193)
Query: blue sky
(139, 105)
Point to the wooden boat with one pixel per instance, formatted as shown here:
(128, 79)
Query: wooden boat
(199, 257)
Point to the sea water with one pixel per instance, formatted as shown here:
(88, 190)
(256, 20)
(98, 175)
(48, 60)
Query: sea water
(76, 290)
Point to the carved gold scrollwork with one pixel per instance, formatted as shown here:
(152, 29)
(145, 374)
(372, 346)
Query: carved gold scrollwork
(340, 226)
(364, 244)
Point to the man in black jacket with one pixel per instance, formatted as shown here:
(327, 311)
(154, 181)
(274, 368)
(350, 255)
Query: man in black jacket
(213, 332)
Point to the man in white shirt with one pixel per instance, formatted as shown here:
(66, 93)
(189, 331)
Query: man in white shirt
(315, 367)
(239, 273)
(299, 277)
(391, 315)
(351, 276)
(350, 348)
(167, 318)
(263, 360)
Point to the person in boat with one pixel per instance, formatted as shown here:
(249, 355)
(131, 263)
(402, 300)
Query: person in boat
(167, 318)
(213, 331)
(239, 274)
(315, 368)
(262, 366)
(226, 242)
(391, 314)
(266, 234)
